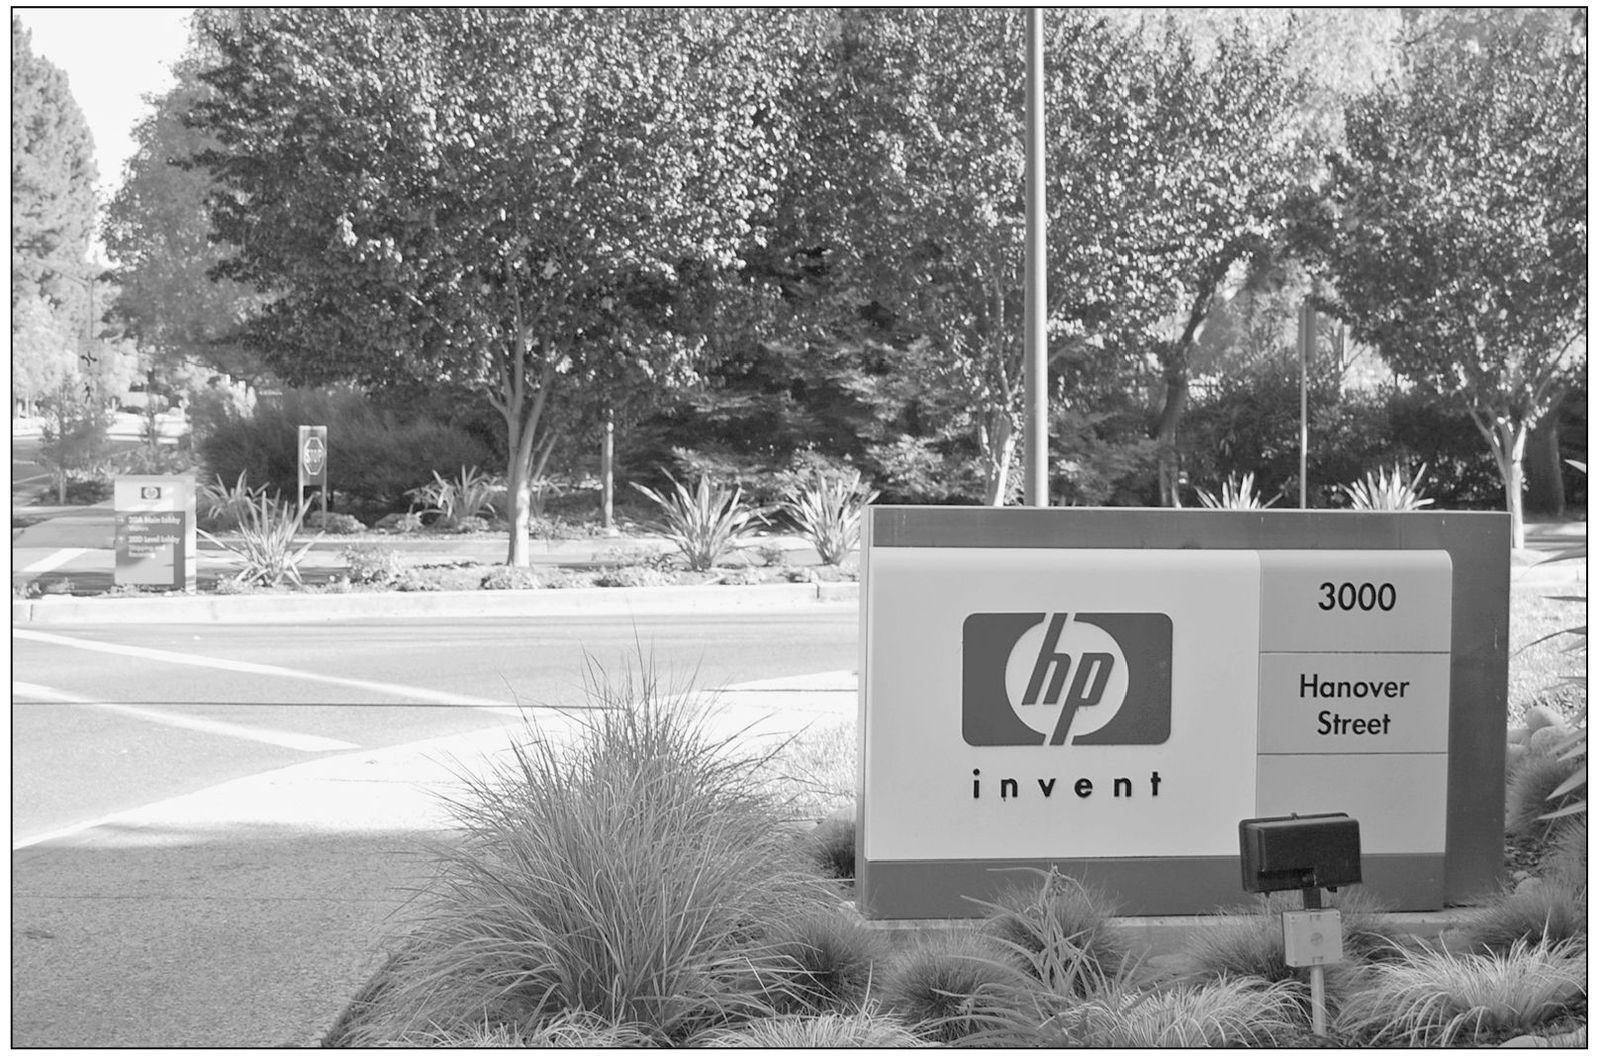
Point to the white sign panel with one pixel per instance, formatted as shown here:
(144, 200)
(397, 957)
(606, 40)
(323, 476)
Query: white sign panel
(1029, 703)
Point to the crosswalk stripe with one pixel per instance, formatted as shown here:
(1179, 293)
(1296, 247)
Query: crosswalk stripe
(286, 739)
(172, 657)
(54, 561)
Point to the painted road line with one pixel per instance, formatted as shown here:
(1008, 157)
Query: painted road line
(286, 739)
(56, 560)
(173, 658)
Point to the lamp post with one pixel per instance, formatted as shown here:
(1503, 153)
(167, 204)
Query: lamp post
(1035, 479)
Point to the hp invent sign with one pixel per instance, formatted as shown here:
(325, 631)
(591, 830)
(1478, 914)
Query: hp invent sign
(1111, 691)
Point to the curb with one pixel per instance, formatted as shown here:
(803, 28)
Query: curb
(185, 609)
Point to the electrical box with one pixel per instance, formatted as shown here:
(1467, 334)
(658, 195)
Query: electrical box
(1300, 852)
(1312, 938)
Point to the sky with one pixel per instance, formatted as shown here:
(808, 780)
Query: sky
(113, 57)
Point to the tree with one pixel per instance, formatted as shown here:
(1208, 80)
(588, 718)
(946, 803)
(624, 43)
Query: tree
(159, 234)
(1456, 237)
(1166, 168)
(52, 184)
(41, 351)
(470, 195)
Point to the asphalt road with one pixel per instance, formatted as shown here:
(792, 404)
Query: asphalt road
(107, 718)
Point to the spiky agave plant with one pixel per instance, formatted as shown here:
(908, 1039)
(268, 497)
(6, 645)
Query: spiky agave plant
(266, 541)
(1236, 495)
(828, 509)
(1388, 490)
(705, 525)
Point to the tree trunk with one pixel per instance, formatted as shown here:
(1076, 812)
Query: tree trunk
(1176, 389)
(1544, 464)
(1507, 439)
(999, 440)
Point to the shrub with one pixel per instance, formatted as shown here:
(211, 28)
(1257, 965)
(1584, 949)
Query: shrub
(953, 986)
(156, 459)
(633, 872)
(1535, 912)
(266, 541)
(705, 526)
(510, 578)
(76, 447)
(826, 962)
(831, 1030)
(372, 563)
(1058, 932)
(1227, 1012)
(1432, 998)
(633, 577)
(1388, 491)
(409, 522)
(375, 453)
(334, 522)
(828, 510)
(833, 847)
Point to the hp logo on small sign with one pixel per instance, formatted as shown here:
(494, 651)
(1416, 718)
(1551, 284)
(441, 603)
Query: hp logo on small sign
(1034, 679)
(150, 492)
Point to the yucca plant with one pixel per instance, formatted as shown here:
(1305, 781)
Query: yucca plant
(828, 509)
(224, 507)
(1236, 495)
(468, 495)
(266, 541)
(1388, 490)
(706, 525)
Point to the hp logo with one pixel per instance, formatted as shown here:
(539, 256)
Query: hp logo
(1034, 679)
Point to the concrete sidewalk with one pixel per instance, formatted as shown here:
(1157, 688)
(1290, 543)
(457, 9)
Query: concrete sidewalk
(248, 914)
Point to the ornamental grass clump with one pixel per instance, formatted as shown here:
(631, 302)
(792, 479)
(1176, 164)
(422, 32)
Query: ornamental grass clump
(828, 960)
(828, 510)
(1535, 912)
(955, 987)
(835, 1029)
(1058, 932)
(629, 869)
(705, 525)
(1431, 998)
(1224, 1012)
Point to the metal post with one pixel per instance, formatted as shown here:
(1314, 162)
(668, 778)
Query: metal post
(606, 475)
(1035, 479)
(1304, 346)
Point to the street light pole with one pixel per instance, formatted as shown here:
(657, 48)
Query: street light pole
(1035, 479)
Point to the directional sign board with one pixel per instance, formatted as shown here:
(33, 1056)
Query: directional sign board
(154, 531)
(1112, 691)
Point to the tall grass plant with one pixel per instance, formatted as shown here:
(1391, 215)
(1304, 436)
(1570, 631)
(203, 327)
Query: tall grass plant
(632, 871)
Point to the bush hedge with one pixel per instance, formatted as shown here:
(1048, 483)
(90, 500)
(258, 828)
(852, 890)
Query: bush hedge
(375, 453)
